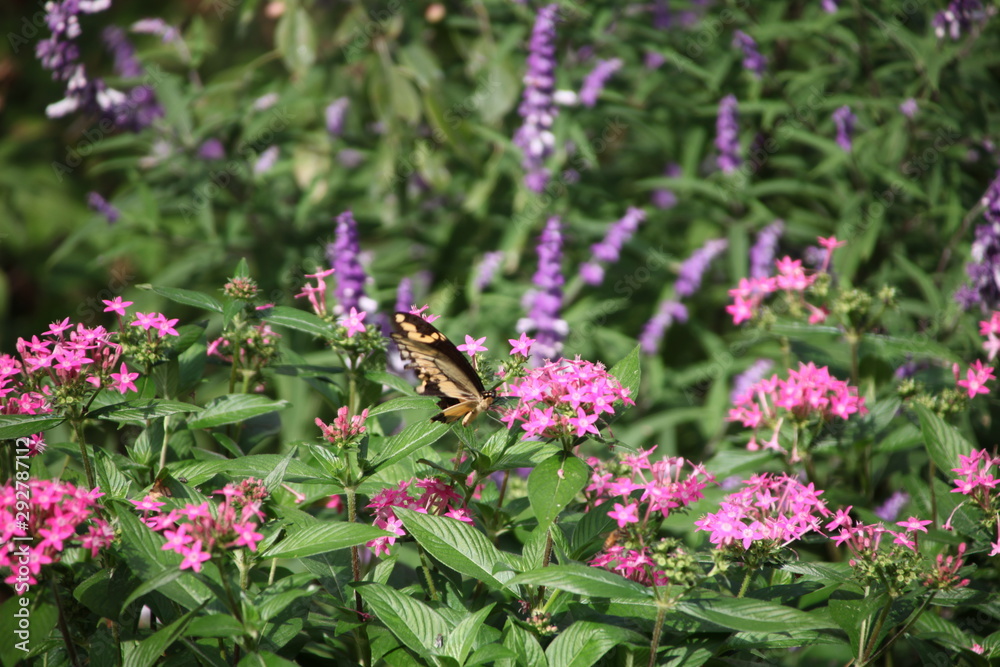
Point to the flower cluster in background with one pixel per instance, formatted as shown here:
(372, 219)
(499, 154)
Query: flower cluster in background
(345, 428)
(538, 109)
(198, 531)
(544, 300)
(53, 516)
(435, 497)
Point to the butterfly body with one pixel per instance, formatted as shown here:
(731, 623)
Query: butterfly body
(443, 370)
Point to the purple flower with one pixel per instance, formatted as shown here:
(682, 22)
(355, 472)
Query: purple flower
(594, 82)
(662, 197)
(404, 296)
(656, 327)
(545, 300)
(909, 108)
(343, 256)
(844, 119)
(211, 149)
(984, 269)
(335, 113)
(958, 18)
(653, 60)
(155, 26)
(693, 268)
(829, 6)
(991, 201)
(100, 205)
(350, 157)
(762, 252)
(894, 504)
(749, 377)
(534, 137)
(727, 139)
(753, 62)
(141, 108)
(265, 160)
(487, 269)
(609, 248)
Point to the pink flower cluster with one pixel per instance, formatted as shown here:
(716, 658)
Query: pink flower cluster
(773, 510)
(564, 397)
(977, 481)
(250, 348)
(436, 497)
(344, 428)
(195, 531)
(863, 540)
(808, 393)
(791, 278)
(50, 515)
(353, 321)
(664, 486)
(635, 564)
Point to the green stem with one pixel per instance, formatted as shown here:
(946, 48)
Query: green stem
(661, 615)
(865, 658)
(903, 630)
(746, 582)
(166, 439)
(63, 626)
(81, 440)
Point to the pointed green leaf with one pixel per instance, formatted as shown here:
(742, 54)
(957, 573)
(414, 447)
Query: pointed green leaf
(553, 484)
(584, 643)
(150, 650)
(628, 372)
(299, 320)
(322, 538)
(418, 626)
(186, 297)
(20, 426)
(234, 408)
(410, 439)
(752, 615)
(582, 580)
(944, 442)
(460, 641)
(141, 410)
(458, 545)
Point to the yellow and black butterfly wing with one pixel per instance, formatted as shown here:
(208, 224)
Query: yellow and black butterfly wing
(443, 370)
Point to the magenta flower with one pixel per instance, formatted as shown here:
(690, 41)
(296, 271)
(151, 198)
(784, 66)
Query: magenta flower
(625, 514)
(116, 306)
(354, 322)
(976, 378)
(521, 345)
(345, 428)
(436, 497)
(773, 510)
(472, 345)
(562, 397)
(39, 520)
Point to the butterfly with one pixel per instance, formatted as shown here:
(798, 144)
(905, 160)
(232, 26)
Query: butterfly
(442, 369)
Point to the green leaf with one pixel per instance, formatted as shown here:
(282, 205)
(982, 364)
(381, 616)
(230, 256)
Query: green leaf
(256, 465)
(628, 372)
(418, 626)
(295, 40)
(401, 403)
(150, 650)
(583, 580)
(234, 408)
(944, 442)
(461, 640)
(553, 484)
(459, 546)
(752, 615)
(186, 297)
(299, 320)
(322, 538)
(584, 643)
(140, 410)
(410, 439)
(214, 625)
(394, 381)
(20, 426)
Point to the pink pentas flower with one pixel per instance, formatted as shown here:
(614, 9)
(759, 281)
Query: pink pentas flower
(196, 531)
(625, 514)
(123, 381)
(344, 428)
(809, 393)
(354, 322)
(472, 345)
(635, 564)
(435, 497)
(54, 520)
(521, 345)
(564, 397)
(420, 311)
(976, 378)
(771, 510)
(116, 306)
